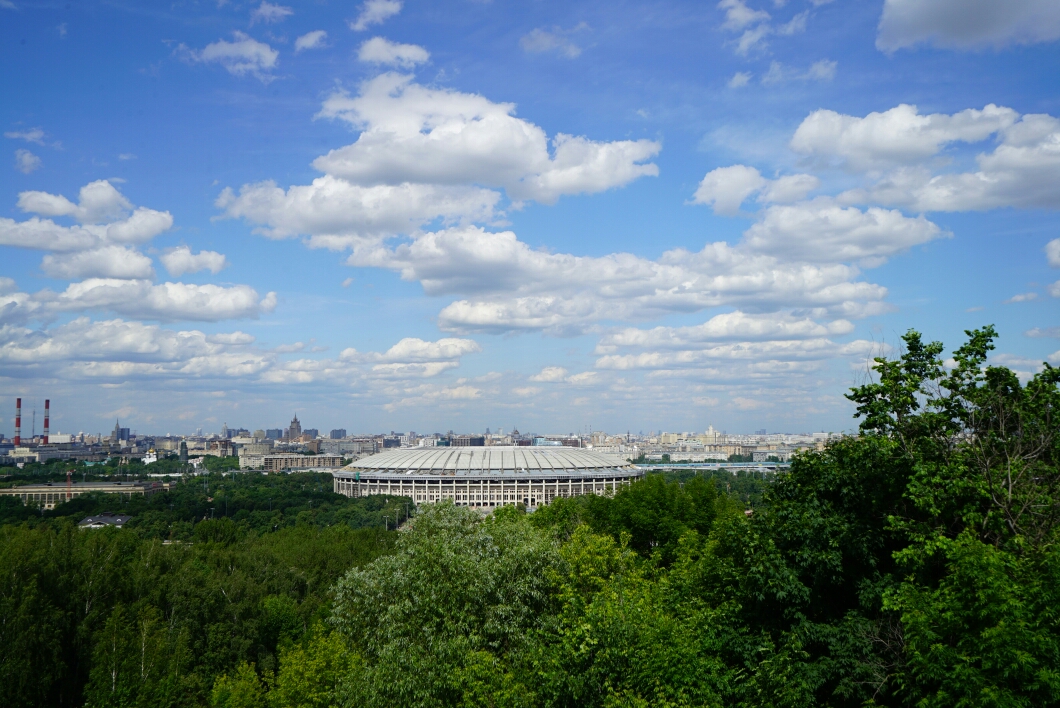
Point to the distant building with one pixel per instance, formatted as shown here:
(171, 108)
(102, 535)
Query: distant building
(356, 447)
(220, 448)
(486, 478)
(711, 437)
(103, 520)
(252, 455)
(183, 451)
(337, 434)
(258, 448)
(287, 461)
(119, 433)
(782, 454)
(51, 494)
(294, 431)
(274, 433)
(311, 433)
(468, 441)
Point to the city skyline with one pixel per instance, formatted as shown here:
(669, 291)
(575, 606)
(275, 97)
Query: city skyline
(410, 216)
(225, 430)
(32, 432)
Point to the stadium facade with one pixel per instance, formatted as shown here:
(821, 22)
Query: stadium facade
(486, 477)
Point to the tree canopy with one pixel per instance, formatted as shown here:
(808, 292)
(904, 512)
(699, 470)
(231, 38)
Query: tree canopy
(915, 564)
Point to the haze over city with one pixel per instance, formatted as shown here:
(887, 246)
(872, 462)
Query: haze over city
(557, 217)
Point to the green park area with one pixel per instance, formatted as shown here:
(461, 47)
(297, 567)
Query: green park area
(913, 565)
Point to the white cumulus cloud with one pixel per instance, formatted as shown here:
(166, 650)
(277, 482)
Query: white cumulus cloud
(427, 154)
(412, 349)
(181, 260)
(379, 50)
(898, 136)
(95, 248)
(821, 231)
(240, 57)
(1052, 252)
(30, 135)
(269, 12)
(822, 70)
(512, 287)
(731, 326)
(1023, 170)
(411, 133)
(127, 351)
(26, 161)
(165, 301)
(725, 189)
(738, 15)
(550, 374)
(98, 201)
(106, 217)
(104, 262)
(310, 40)
(556, 41)
(374, 12)
(337, 214)
(739, 79)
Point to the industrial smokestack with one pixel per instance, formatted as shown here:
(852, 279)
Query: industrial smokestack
(18, 422)
(47, 415)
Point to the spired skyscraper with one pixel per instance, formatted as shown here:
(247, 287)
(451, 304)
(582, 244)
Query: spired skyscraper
(295, 430)
(119, 433)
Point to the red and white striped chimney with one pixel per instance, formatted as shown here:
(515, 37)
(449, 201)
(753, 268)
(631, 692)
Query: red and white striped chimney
(47, 415)
(18, 422)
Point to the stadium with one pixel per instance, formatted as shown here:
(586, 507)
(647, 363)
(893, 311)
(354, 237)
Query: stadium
(486, 477)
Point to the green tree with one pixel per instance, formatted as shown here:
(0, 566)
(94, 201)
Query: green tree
(312, 674)
(457, 584)
(243, 689)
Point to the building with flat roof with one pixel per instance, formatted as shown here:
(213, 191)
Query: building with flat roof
(487, 477)
(282, 462)
(103, 520)
(50, 494)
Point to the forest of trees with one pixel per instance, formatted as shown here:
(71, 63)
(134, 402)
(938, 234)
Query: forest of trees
(915, 564)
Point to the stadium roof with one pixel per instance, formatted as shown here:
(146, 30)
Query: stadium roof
(496, 459)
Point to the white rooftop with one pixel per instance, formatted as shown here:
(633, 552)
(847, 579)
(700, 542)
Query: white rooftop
(493, 459)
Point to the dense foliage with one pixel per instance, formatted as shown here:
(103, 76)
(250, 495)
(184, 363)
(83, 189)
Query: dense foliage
(916, 564)
(54, 470)
(151, 614)
(253, 501)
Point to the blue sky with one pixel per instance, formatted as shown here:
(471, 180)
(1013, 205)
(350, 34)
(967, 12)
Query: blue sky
(404, 215)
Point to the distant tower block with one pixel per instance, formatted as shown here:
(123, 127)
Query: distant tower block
(47, 418)
(18, 422)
